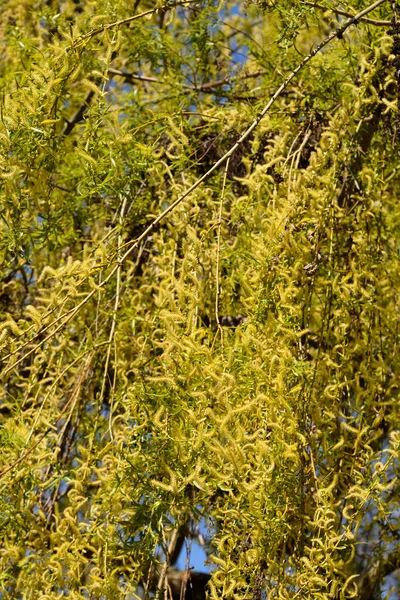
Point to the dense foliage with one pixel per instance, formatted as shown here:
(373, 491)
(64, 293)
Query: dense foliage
(200, 337)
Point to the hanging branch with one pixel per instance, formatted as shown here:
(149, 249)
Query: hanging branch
(82, 40)
(170, 550)
(217, 262)
(131, 77)
(71, 400)
(338, 33)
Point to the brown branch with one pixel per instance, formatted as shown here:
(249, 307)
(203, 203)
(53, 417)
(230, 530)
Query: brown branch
(182, 534)
(367, 130)
(78, 116)
(186, 585)
(131, 77)
(170, 550)
(344, 13)
(193, 583)
(203, 87)
(367, 582)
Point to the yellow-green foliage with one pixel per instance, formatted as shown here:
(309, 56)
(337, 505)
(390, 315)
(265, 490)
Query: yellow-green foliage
(239, 364)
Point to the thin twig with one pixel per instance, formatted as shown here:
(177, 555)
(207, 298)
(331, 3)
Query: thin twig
(81, 40)
(75, 396)
(296, 158)
(249, 37)
(57, 379)
(41, 438)
(130, 77)
(344, 13)
(395, 12)
(114, 320)
(170, 550)
(219, 225)
(209, 85)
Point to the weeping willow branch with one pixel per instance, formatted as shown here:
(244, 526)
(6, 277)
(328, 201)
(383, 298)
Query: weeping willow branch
(217, 266)
(72, 400)
(170, 550)
(344, 13)
(82, 40)
(338, 33)
(114, 322)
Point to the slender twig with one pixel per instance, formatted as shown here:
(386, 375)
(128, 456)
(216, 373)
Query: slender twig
(170, 550)
(130, 77)
(395, 12)
(114, 321)
(237, 31)
(82, 39)
(209, 85)
(75, 397)
(338, 33)
(57, 379)
(186, 574)
(217, 265)
(296, 159)
(344, 13)
(41, 438)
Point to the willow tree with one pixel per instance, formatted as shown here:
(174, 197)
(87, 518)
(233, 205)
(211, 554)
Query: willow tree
(199, 288)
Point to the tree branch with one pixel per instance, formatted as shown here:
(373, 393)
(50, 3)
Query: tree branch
(131, 77)
(163, 573)
(182, 585)
(130, 246)
(367, 130)
(78, 116)
(370, 578)
(344, 13)
(203, 87)
(82, 39)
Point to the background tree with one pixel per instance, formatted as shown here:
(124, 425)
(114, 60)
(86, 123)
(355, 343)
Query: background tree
(199, 284)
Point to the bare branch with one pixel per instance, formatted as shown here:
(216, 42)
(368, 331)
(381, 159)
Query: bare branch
(170, 550)
(131, 77)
